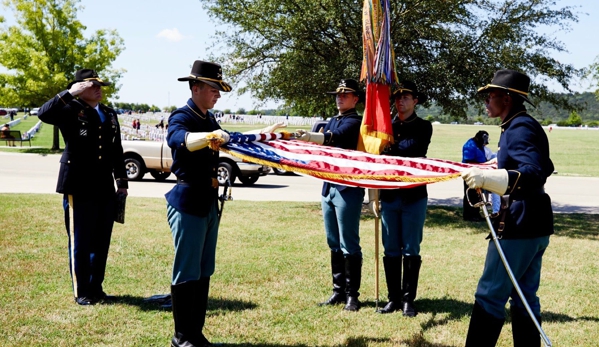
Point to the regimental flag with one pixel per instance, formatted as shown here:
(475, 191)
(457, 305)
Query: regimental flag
(378, 69)
(342, 166)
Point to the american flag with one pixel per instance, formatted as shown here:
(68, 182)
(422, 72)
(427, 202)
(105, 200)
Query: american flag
(341, 166)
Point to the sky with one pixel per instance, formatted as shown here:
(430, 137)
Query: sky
(163, 38)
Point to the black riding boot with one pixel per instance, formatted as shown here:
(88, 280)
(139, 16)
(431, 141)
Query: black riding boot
(524, 331)
(484, 329)
(411, 266)
(188, 325)
(353, 277)
(203, 289)
(393, 277)
(338, 271)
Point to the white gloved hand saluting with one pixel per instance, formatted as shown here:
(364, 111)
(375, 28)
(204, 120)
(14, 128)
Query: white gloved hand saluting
(310, 136)
(495, 181)
(79, 87)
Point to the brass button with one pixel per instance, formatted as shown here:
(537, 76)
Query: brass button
(99, 136)
(100, 157)
(100, 146)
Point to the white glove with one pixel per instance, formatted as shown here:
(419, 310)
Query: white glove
(79, 87)
(495, 181)
(272, 128)
(223, 135)
(269, 129)
(372, 197)
(310, 136)
(197, 141)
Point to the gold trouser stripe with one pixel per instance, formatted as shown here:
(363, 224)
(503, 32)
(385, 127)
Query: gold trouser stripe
(72, 244)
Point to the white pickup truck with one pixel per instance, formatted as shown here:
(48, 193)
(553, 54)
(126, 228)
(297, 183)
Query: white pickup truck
(155, 157)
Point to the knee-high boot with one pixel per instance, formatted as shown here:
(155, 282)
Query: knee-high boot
(338, 272)
(411, 266)
(524, 331)
(353, 278)
(393, 276)
(484, 328)
(188, 325)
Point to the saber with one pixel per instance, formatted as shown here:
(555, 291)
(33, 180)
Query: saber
(224, 197)
(483, 206)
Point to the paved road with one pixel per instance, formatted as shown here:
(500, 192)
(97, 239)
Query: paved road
(34, 173)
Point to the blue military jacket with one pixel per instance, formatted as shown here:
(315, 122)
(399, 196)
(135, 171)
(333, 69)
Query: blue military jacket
(411, 139)
(194, 193)
(342, 131)
(524, 152)
(93, 155)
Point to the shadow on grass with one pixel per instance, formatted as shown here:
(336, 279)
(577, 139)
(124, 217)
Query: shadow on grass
(40, 150)
(572, 225)
(359, 341)
(548, 316)
(216, 306)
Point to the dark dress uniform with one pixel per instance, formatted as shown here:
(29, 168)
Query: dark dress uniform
(90, 164)
(524, 233)
(341, 209)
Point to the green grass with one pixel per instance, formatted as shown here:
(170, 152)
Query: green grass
(272, 269)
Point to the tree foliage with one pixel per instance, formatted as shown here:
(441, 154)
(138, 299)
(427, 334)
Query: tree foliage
(46, 46)
(296, 50)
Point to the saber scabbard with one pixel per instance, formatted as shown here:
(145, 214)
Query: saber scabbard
(483, 206)
(225, 196)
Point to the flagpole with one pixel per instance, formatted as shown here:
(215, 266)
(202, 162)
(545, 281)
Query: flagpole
(376, 248)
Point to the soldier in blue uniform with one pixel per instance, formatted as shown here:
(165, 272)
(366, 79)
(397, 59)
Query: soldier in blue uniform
(192, 203)
(524, 226)
(403, 211)
(91, 162)
(342, 205)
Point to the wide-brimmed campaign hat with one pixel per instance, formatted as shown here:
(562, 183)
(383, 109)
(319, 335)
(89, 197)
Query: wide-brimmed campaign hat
(209, 73)
(349, 86)
(409, 87)
(88, 75)
(512, 81)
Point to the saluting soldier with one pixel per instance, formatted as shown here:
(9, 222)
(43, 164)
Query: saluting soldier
(90, 164)
(342, 205)
(524, 226)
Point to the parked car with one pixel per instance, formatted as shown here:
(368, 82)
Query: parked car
(34, 111)
(155, 157)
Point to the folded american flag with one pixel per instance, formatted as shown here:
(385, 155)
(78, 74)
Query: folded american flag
(341, 166)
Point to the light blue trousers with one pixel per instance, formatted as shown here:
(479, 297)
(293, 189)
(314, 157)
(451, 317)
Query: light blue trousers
(403, 224)
(341, 211)
(195, 244)
(495, 287)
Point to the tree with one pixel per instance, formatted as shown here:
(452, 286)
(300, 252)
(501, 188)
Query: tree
(574, 120)
(45, 48)
(296, 50)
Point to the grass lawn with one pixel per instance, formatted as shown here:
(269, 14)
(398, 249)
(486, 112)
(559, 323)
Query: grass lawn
(272, 269)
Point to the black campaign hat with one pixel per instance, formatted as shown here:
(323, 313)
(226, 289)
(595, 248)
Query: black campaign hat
(88, 75)
(512, 81)
(209, 73)
(349, 86)
(410, 87)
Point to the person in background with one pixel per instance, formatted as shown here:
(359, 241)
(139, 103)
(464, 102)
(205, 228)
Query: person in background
(91, 163)
(403, 211)
(6, 136)
(473, 151)
(342, 205)
(524, 226)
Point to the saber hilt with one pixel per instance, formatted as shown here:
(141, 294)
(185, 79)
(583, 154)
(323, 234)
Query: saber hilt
(225, 196)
